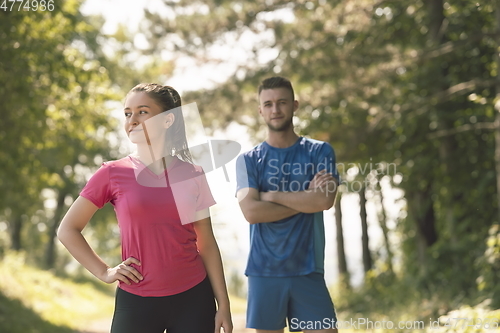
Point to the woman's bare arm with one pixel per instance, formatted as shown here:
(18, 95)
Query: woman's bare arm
(70, 235)
(210, 254)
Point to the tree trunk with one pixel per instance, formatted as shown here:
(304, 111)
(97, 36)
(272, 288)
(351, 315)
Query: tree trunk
(436, 18)
(448, 143)
(426, 218)
(422, 211)
(497, 106)
(50, 254)
(344, 277)
(385, 230)
(367, 258)
(15, 235)
(420, 203)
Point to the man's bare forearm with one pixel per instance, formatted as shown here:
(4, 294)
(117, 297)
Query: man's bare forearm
(259, 211)
(308, 201)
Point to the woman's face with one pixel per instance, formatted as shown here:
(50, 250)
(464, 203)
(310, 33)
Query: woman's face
(139, 107)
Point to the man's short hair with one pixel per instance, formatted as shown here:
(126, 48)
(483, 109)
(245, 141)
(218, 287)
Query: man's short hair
(276, 82)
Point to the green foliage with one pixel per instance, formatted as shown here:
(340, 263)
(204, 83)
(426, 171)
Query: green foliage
(466, 319)
(396, 299)
(54, 82)
(488, 266)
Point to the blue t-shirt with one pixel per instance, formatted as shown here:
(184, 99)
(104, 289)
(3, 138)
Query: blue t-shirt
(294, 245)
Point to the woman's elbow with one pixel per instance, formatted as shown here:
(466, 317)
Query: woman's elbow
(60, 233)
(63, 232)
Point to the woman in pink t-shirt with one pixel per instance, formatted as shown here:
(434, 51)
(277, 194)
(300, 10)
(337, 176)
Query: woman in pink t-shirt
(171, 273)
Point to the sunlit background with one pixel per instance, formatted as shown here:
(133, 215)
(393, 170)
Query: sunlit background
(407, 93)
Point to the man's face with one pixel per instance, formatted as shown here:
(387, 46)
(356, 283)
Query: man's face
(277, 106)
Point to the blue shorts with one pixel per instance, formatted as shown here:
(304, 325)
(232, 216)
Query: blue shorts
(303, 300)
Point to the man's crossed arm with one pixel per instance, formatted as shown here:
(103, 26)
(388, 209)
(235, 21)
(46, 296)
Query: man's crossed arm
(261, 207)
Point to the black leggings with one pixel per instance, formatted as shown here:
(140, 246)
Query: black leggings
(192, 311)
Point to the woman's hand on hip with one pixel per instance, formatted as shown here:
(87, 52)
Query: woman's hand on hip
(124, 272)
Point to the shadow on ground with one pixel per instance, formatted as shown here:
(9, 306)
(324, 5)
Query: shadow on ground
(17, 318)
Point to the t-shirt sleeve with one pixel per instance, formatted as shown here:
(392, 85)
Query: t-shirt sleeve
(98, 188)
(205, 198)
(327, 160)
(246, 173)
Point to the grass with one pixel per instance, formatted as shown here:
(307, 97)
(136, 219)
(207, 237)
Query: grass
(38, 301)
(386, 301)
(16, 317)
(34, 300)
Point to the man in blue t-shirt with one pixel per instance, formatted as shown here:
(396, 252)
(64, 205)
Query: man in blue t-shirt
(283, 186)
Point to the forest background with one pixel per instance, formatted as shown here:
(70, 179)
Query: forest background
(407, 92)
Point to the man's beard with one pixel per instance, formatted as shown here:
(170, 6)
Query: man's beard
(281, 128)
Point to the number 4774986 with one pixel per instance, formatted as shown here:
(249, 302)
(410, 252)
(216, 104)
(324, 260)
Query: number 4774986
(27, 5)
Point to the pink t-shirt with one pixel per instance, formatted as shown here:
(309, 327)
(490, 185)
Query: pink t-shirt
(150, 223)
